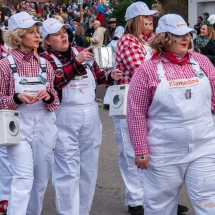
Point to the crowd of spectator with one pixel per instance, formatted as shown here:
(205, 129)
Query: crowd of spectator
(90, 24)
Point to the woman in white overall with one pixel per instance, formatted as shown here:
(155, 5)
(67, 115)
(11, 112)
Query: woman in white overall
(26, 85)
(170, 122)
(5, 165)
(80, 130)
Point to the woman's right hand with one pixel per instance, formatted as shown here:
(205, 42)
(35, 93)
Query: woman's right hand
(85, 55)
(27, 99)
(140, 162)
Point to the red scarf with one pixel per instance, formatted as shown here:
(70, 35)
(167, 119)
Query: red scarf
(146, 37)
(175, 60)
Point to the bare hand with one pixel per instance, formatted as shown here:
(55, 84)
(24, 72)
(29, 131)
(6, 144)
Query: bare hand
(25, 98)
(142, 164)
(42, 94)
(116, 74)
(85, 55)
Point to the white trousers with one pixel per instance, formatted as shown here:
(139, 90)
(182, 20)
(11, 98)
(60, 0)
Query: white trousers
(76, 159)
(5, 174)
(178, 154)
(32, 162)
(128, 169)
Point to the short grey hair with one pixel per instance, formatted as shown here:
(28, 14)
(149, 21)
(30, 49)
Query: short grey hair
(97, 22)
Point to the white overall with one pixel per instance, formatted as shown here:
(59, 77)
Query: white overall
(77, 149)
(128, 169)
(32, 159)
(5, 174)
(181, 144)
(5, 164)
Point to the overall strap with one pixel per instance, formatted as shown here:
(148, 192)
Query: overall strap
(57, 62)
(42, 65)
(160, 71)
(75, 50)
(12, 64)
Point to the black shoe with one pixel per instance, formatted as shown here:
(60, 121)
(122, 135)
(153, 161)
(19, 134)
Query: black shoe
(106, 107)
(137, 210)
(182, 209)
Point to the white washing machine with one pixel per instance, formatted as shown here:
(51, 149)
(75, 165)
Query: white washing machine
(9, 127)
(118, 101)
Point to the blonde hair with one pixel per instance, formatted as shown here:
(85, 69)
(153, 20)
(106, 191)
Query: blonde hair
(14, 38)
(45, 46)
(211, 32)
(161, 41)
(133, 27)
(59, 18)
(80, 30)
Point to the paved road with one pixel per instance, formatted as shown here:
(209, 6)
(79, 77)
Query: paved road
(109, 195)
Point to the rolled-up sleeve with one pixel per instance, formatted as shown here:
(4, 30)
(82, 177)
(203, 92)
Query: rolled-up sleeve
(50, 88)
(6, 87)
(139, 98)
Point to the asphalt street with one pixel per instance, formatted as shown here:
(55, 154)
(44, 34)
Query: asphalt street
(109, 194)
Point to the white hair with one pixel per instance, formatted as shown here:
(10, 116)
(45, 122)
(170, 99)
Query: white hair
(97, 22)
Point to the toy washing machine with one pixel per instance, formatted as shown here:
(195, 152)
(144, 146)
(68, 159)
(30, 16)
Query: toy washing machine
(9, 127)
(118, 101)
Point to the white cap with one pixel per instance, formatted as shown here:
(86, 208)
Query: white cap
(119, 31)
(52, 26)
(174, 24)
(21, 20)
(139, 9)
(211, 19)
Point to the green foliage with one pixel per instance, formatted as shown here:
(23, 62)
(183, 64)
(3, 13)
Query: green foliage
(120, 9)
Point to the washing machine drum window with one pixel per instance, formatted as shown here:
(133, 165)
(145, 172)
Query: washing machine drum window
(117, 100)
(13, 127)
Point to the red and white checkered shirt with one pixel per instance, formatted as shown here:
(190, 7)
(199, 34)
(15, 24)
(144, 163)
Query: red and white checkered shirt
(28, 65)
(142, 89)
(130, 55)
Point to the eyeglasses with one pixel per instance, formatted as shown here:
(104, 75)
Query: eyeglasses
(34, 33)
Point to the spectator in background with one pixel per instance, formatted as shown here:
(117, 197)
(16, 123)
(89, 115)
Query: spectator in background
(89, 22)
(46, 8)
(100, 14)
(80, 38)
(205, 42)
(4, 12)
(44, 16)
(112, 28)
(211, 19)
(205, 15)
(106, 34)
(98, 36)
(5, 25)
(198, 25)
(40, 9)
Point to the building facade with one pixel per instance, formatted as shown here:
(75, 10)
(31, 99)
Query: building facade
(197, 8)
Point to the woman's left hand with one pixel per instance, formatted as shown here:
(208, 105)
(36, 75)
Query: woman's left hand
(142, 163)
(42, 94)
(116, 74)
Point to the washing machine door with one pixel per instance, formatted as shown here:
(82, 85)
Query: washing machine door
(13, 127)
(117, 100)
